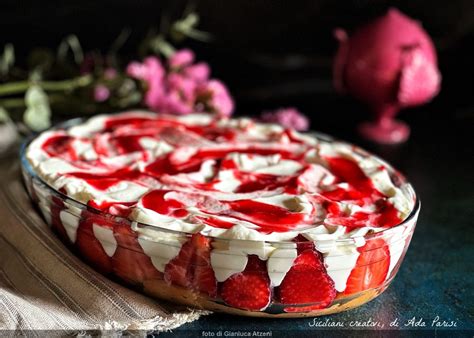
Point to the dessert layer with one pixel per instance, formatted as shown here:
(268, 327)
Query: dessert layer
(249, 185)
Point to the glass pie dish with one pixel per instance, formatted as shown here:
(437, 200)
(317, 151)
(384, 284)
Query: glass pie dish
(285, 278)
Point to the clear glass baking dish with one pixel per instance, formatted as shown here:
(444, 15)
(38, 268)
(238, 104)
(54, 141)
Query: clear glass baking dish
(176, 266)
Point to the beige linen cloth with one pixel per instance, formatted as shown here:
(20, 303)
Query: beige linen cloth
(43, 286)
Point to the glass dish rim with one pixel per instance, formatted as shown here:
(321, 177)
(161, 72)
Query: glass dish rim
(25, 164)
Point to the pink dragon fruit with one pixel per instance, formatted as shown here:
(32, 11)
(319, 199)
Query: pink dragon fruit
(390, 63)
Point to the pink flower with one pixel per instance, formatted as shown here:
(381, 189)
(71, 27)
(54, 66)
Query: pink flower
(136, 70)
(152, 72)
(181, 58)
(182, 84)
(174, 104)
(199, 72)
(155, 95)
(183, 87)
(288, 118)
(216, 98)
(101, 93)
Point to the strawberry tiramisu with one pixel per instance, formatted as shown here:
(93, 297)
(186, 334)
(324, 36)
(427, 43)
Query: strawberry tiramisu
(226, 214)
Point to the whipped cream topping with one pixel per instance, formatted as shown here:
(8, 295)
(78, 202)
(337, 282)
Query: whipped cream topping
(250, 185)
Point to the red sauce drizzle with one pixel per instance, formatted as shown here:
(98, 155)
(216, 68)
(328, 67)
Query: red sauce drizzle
(156, 201)
(105, 181)
(60, 146)
(363, 192)
(124, 136)
(126, 144)
(270, 218)
(127, 121)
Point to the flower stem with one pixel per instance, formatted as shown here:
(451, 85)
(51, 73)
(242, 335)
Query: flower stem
(13, 103)
(64, 85)
(14, 87)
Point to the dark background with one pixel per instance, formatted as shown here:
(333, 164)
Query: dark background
(270, 53)
(279, 53)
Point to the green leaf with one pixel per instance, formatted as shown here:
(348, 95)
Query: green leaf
(126, 87)
(160, 46)
(4, 117)
(130, 100)
(38, 113)
(35, 75)
(187, 27)
(71, 42)
(120, 41)
(35, 96)
(7, 60)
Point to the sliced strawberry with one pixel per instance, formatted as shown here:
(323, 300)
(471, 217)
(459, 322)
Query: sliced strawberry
(176, 271)
(204, 280)
(129, 262)
(89, 246)
(307, 283)
(250, 289)
(303, 244)
(371, 267)
(203, 276)
(57, 206)
(192, 267)
(309, 258)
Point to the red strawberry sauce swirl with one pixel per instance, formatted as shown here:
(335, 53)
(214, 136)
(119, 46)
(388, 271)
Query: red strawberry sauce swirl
(202, 170)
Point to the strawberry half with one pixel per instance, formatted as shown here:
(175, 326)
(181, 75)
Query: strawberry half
(129, 262)
(89, 246)
(307, 283)
(371, 267)
(250, 289)
(192, 267)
